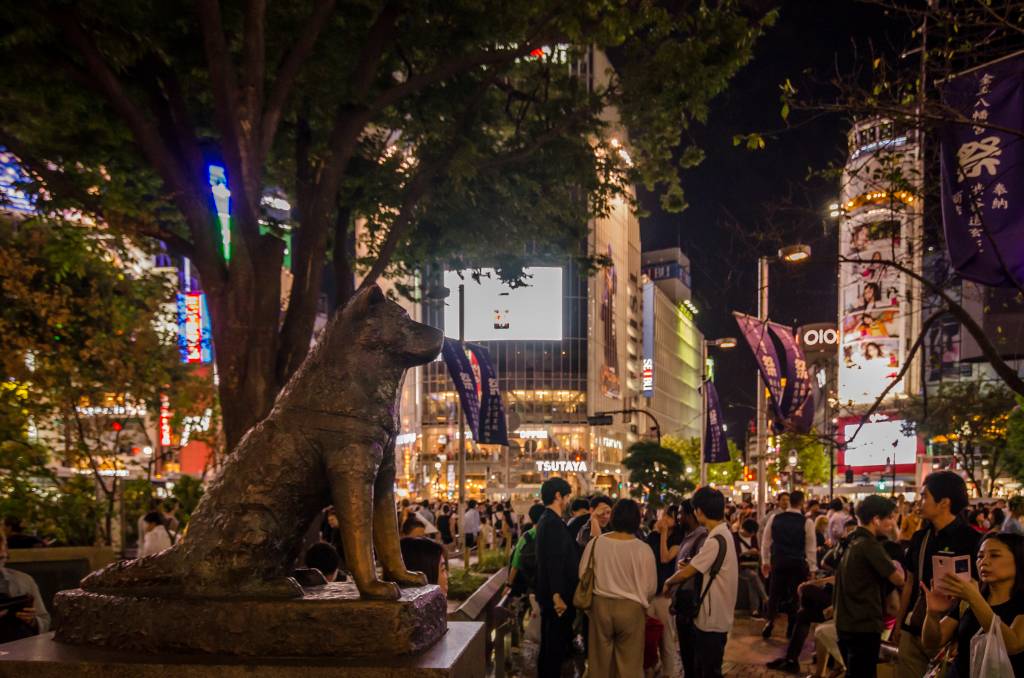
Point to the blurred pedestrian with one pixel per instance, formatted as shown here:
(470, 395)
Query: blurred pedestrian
(156, 538)
(556, 578)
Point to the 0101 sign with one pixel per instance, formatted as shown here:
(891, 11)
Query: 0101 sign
(820, 337)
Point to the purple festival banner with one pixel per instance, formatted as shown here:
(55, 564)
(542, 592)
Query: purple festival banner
(493, 427)
(982, 173)
(756, 334)
(716, 447)
(461, 372)
(798, 379)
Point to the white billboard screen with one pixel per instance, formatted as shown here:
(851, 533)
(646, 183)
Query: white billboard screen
(879, 441)
(496, 312)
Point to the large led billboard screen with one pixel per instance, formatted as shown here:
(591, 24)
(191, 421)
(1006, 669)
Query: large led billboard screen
(877, 442)
(497, 312)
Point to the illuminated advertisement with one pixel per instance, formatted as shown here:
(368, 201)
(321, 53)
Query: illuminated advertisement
(874, 309)
(610, 382)
(877, 444)
(194, 328)
(647, 361)
(497, 312)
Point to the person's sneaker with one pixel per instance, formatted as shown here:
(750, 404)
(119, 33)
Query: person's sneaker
(783, 664)
(766, 632)
(757, 614)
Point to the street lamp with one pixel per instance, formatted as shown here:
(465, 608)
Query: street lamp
(723, 343)
(792, 254)
(440, 294)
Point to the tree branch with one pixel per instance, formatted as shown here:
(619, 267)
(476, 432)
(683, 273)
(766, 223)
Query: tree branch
(153, 148)
(289, 71)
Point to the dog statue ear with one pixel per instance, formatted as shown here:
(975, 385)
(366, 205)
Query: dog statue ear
(365, 299)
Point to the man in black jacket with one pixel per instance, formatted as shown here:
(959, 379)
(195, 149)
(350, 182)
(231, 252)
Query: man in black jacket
(557, 566)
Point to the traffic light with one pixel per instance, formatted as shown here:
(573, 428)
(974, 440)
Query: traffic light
(881, 485)
(600, 420)
(849, 474)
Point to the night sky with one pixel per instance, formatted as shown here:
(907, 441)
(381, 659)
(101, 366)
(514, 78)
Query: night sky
(741, 201)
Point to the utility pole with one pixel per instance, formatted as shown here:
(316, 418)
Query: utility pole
(762, 403)
(462, 436)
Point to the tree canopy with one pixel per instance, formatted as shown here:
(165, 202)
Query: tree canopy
(456, 133)
(967, 421)
(656, 473)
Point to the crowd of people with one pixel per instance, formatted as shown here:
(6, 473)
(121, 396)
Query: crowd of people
(638, 591)
(885, 579)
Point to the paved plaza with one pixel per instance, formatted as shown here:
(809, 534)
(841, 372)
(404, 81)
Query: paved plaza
(746, 654)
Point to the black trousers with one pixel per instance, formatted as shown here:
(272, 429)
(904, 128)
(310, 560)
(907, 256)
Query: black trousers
(787, 575)
(860, 653)
(708, 661)
(555, 641)
(687, 633)
(813, 602)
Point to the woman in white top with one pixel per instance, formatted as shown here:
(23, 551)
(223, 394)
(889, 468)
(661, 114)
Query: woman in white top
(625, 581)
(157, 538)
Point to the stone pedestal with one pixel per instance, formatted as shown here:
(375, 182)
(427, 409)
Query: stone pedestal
(458, 654)
(329, 621)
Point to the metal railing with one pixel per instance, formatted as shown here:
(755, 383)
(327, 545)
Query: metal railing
(499, 612)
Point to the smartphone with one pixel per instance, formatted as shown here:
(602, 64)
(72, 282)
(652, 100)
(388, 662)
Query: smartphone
(959, 566)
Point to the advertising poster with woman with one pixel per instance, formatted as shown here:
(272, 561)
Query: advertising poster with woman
(872, 302)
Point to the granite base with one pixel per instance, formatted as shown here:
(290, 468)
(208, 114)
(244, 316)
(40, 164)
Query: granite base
(329, 620)
(458, 654)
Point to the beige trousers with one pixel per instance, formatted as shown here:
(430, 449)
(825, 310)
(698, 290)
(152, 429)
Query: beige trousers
(616, 638)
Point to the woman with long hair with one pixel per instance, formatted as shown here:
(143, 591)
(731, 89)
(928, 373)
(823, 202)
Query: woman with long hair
(625, 580)
(999, 599)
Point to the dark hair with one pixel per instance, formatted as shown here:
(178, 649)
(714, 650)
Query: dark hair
(710, 501)
(1015, 543)
(471, 503)
(422, 555)
(972, 517)
(553, 486)
(813, 502)
(750, 525)
(780, 495)
(876, 288)
(948, 485)
(446, 508)
(535, 512)
(323, 557)
(796, 498)
(410, 524)
(154, 517)
(599, 499)
(626, 516)
(13, 522)
(686, 507)
(852, 522)
(836, 505)
(580, 504)
(425, 504)
(874, 506)
(997, 517)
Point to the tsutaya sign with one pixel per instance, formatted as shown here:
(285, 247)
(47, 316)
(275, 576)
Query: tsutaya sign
(570, 466)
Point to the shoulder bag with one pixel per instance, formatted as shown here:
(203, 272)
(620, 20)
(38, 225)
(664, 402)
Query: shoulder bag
(583, 597)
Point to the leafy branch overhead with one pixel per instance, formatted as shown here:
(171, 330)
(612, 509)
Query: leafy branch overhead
(455, 134)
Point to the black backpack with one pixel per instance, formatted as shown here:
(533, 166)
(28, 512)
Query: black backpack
(526, 575)
(689, 596)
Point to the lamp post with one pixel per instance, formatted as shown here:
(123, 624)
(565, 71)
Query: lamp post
(792, 254)
(724, 343)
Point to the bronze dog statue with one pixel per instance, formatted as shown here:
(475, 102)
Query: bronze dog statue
(330, 438)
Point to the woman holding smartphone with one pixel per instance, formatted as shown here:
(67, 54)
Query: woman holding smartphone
(1000, 597)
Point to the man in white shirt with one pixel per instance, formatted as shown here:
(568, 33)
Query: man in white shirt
(34, 617)
(471, 523)
(789, 553)
(718, 589)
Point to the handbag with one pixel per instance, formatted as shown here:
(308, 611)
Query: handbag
(583, 597)
(989, 658)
